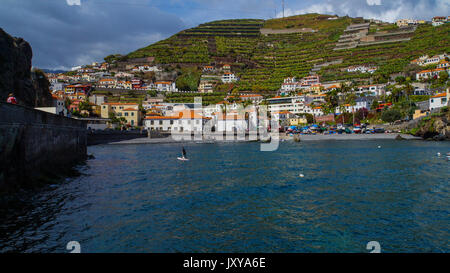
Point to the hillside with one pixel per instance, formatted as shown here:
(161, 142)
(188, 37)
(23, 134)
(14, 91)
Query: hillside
(264, 52)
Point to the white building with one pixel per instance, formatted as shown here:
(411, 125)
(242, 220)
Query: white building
(406, 22)
(229, 77)
(372, 90)
(362, 69)
(58, 108)
(122, 74)
(440, 100)
(145, 68)
(185, 121)
(361, 103)
(427, 74)
(231, 123)
(107, 83)
(166, 86)
(425, 60)
(296, 105)
(282, 115)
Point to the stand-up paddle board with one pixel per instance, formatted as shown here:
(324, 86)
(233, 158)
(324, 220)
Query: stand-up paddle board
(182, 159)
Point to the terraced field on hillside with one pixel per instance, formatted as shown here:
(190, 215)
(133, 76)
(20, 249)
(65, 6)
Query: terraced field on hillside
(263, 61)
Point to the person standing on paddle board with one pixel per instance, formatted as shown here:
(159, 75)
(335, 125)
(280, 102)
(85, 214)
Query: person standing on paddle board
(184, 153)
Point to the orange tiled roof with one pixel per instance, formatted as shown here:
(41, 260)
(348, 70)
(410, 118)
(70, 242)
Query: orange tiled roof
(189, 114)
(120, 103)
(439, 95)
(161, 117)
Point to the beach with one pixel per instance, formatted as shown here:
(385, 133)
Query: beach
(282, 137)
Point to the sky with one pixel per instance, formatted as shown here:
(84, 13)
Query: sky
(68, 33)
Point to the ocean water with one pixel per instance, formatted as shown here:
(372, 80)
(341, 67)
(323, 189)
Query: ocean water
(233, 198)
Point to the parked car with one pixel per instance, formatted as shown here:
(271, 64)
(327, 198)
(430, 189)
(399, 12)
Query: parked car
(379, 130)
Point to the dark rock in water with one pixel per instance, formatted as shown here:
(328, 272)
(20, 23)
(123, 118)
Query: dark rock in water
(30, 88)
(90, 157)
(399, 137)
(439, 137)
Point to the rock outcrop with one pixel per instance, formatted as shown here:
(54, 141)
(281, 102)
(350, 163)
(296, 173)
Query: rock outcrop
(30, 88)
(436, 127)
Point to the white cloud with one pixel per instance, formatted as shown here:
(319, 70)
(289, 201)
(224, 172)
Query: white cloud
(73, 2)
(376, 9)
(373, 2)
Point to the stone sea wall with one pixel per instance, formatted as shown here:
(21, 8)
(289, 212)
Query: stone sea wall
(35, 143)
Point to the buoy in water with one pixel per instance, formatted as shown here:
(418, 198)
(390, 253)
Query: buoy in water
(379, 147)
(301, 175)
(438, 154)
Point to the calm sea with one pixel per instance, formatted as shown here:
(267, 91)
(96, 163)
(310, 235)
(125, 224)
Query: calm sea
(234, 198)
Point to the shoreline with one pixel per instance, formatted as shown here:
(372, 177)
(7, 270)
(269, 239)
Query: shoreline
(282, 138)
(385, 136)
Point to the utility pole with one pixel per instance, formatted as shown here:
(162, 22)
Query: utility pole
(283, 8)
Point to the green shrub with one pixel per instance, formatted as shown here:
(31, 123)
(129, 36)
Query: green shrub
(391, 115)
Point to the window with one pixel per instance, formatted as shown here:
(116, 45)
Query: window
(197, 121)
(126, 114)
(132, 114)
(160, 122)
(132, 122)
(152, 122)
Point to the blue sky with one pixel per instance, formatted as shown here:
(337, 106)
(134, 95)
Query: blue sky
(67, 33)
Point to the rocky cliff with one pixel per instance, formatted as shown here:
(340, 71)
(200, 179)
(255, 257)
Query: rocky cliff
(436, 126)
(30, 88)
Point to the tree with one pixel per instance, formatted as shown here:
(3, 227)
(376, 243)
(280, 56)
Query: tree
(152, 93)
(188, 80)
(309, 118)
(391, 115)
(67, 103)
(375, 104)
(112, 58)
(350, 98)
(443, 77)
(84, 105)
(400, 79)
(361, 114)
(331, 102)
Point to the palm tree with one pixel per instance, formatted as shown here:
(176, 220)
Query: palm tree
(351, 99)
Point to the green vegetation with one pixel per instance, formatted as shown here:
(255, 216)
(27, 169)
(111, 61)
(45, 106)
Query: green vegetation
(262, 62)
(189, 79)
(391, 115)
